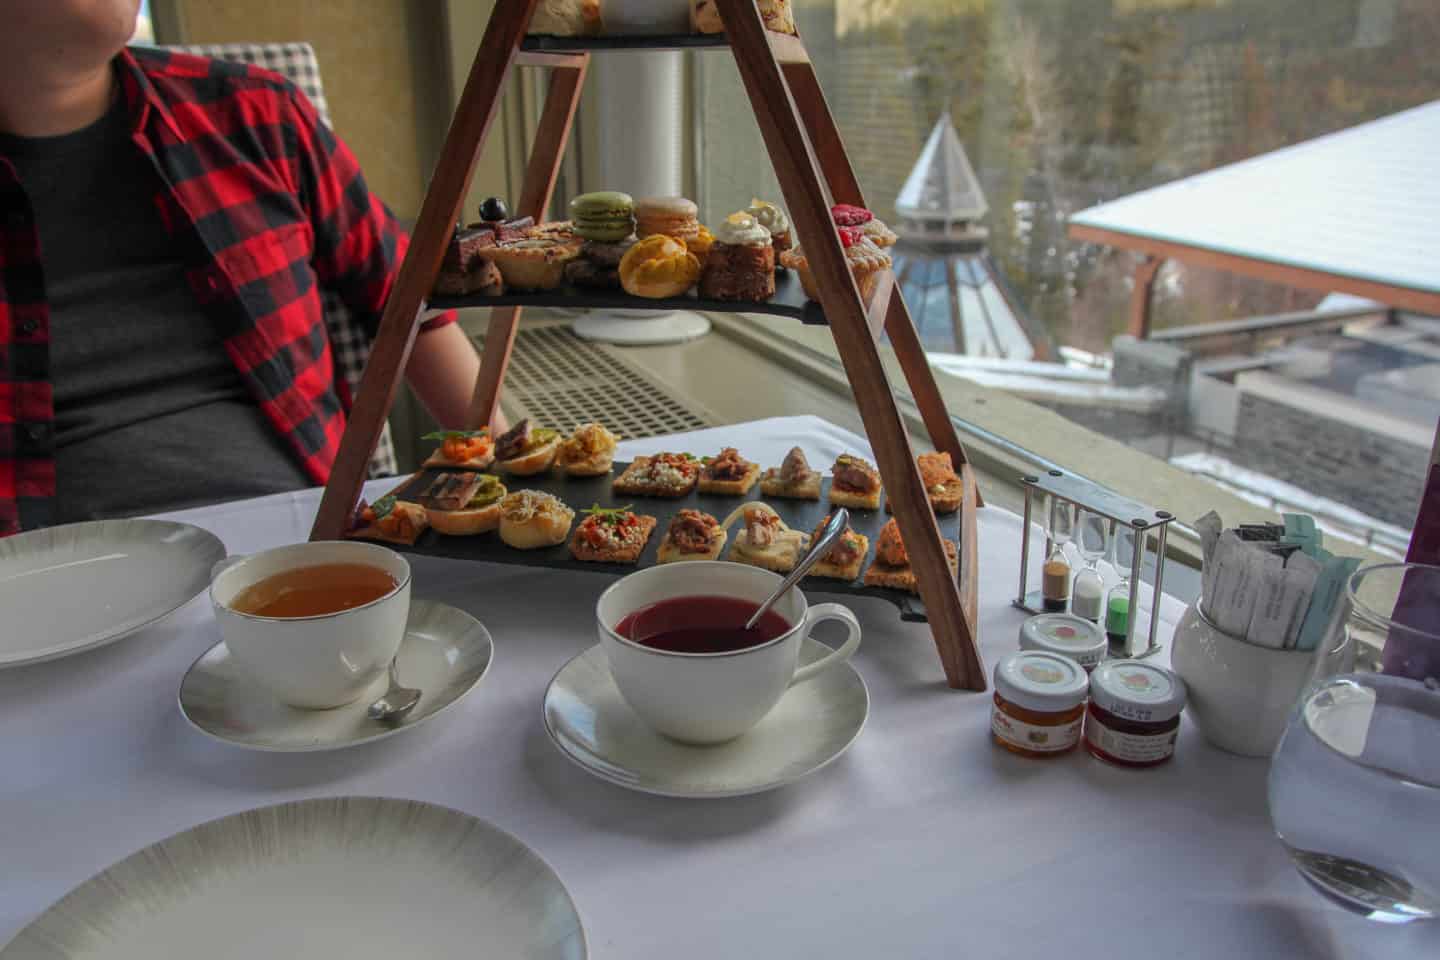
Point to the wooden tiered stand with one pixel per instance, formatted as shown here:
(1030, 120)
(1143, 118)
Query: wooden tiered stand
(814, 173)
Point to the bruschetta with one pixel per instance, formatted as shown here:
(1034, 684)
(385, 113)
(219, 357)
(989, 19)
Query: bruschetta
(793, 479)
(692, 535)
(611, 535)
(729, 474)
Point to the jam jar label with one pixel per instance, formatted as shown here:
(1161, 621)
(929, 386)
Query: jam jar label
(1029, 736)
(1130, 747)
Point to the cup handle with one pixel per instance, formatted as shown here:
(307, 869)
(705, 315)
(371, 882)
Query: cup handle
(223, 564)
(819, 613)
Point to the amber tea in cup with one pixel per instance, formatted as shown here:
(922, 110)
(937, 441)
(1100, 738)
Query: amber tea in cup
(314, 591)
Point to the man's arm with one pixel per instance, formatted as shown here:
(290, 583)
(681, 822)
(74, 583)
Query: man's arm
(443, 369)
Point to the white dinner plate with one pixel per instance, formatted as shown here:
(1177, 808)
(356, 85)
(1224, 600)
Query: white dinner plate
(813, 724)
(82, 585)
(445, 653)
(358, 878)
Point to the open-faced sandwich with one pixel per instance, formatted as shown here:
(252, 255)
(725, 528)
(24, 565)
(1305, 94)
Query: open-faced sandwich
(611, 535)
(530, 519)
(692, 535)
(942, 484)
(765, 540)
(854, 483)
(728, 473)
(793, 479)
(663, 475)
(524, 450)
(468, 449)
(463, 503)
(588, 453)
(892, 564)
(846, 556)
(389, 518)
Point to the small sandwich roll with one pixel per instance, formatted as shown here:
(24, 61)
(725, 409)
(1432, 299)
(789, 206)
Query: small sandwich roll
(531, 519)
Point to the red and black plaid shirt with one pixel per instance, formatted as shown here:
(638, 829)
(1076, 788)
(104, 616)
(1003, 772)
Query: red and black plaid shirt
(272, 208)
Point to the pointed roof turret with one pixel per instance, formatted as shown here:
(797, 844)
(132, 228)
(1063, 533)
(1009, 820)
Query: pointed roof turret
(943, 185)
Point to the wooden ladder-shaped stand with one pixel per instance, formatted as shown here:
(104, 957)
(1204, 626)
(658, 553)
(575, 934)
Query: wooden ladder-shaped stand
(814, 173)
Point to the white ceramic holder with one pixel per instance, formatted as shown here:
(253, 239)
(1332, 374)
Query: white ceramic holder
(1240, 694)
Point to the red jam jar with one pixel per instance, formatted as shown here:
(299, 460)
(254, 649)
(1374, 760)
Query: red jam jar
(1134, 713)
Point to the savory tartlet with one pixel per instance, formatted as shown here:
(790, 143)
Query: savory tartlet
(728, 473)
(657, 267)
(943, 485)
(536, 262)
(469, 449)
(530, 519)
(692, 535)
(525, 450)
(854, 483)
(589, 452)
(390, 519)
(845, 558)
(669, 475)
(793, 479)
(891, 567)
(462, 504)
(764, 540)
(611, 535)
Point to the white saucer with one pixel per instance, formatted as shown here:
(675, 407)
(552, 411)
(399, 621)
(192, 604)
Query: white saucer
(445, 653)
(813, 723)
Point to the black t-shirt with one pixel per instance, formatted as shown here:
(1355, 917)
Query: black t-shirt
(150, 412)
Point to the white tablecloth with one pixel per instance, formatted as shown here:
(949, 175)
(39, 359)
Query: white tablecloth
(923, 841)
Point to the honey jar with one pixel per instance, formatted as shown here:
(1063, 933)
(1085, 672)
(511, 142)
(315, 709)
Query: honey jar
(1134, 713)
(1039, 703)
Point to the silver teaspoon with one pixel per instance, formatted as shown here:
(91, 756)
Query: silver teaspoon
(396, 701)
(838, 521)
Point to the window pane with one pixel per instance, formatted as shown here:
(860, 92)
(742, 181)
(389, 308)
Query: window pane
(1060, 105)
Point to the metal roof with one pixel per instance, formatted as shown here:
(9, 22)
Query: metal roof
(1354, 211)
(942, 185)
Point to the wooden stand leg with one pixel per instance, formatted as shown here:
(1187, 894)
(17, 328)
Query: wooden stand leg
(391, 350)
(834, 162)
(499, 341)
(807, 200)
(546, 156)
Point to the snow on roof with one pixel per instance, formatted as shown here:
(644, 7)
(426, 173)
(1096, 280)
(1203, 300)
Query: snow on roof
(1361, 203)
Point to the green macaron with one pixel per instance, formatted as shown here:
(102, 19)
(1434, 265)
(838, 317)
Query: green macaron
(606, 216)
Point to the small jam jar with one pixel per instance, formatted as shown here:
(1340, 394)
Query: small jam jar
(1134, 713)
(1065, 634)
(1039, 703)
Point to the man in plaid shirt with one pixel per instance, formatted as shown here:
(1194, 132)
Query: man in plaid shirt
(167, 225)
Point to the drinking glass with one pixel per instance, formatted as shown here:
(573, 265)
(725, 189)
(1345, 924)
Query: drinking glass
(1354, 786)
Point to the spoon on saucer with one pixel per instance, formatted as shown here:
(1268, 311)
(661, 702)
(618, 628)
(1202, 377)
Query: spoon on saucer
(396, 702)
(818, 550)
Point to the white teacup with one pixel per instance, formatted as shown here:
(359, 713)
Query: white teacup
(314, 662)
(712, 697)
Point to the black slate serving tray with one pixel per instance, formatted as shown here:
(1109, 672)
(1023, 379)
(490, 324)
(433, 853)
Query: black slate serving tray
(582, 492)
(789, 301)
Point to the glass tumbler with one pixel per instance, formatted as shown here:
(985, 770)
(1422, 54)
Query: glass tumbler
(1354, 786)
